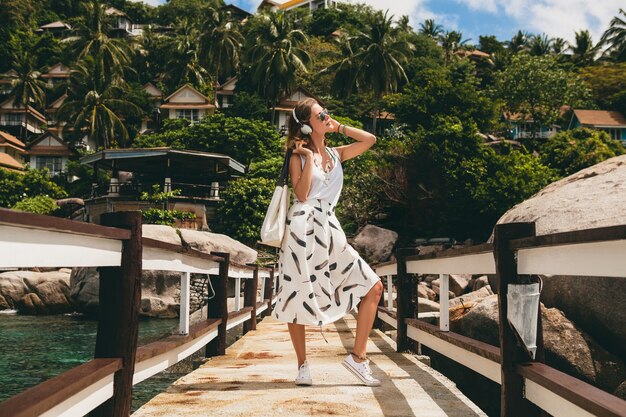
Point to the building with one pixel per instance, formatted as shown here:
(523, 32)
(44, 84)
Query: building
(521, 127)
(12, 152)
(51, 152)
(236, 13)
(57, 28)
(612, 122)
(286, 105)
(226, 93)
(186, 103)
(122, 23)
(156, 97)
(21, 121)
(312, 5)
(57, 74)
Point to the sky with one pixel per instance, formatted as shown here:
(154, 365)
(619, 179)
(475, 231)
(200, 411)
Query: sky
(502, 18)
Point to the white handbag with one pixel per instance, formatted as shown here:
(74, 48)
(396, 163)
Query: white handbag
(273, 229)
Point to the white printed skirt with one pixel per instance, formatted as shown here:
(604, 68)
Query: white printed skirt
(321, 277)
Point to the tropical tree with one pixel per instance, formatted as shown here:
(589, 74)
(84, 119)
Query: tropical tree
(519, 42)
(220, 44)
(430, 28)
(451, 42)
(540, 45)
(559, 46)
(403, 24)
(185, 65)
(375, 61)
(95, 107)
(274, 55)
(111, 55)
(583, 50)
(27, 88)
(615, 37)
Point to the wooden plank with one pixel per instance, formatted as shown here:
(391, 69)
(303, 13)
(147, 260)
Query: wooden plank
(471, 263)
(602, 259)
(24, 248)
(569, 390)
(513, 403)
(235, 318)
(249, 299)
(464, 351)
(406, 306)
(119, 308)
(43, 397)
(217, 308)
(387, 316)
(50, 223)
(568, 238)
(390, 268)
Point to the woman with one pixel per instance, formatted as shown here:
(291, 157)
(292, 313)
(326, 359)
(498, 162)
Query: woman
(321, 277)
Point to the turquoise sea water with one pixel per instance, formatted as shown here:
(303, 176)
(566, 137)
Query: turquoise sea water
(36, 348)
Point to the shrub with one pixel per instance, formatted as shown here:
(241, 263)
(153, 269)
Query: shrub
(41, 204)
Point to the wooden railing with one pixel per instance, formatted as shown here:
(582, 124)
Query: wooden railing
(527, 386)
(103, 386)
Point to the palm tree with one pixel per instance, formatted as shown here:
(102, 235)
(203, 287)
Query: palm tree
(185, 65)
(451, 42)
(94, 107)
(519, 42)
(403, 24)
(583, 50)
(559, 46)
(615, 37)
(429, 28)
(375, 61)
(26, 86)
(275, 55)
(540, 45)
(220, 44)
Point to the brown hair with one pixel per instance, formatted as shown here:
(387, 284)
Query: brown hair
(303, 113)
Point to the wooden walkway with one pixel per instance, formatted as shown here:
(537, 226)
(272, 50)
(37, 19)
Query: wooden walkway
(255, 378)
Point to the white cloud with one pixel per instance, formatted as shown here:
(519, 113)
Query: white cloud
(150, 2)
(554, 17)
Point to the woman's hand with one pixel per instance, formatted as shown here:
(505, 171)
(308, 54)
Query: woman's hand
(301, 150)
(334, 125)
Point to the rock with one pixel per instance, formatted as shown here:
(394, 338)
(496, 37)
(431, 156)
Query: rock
(620, 391)
(426, 306)
(4, 304)
(458, 283)
(471, 297)
(480, 282)
(214, 242)
(423, 291)
(593, 197)
(567, 348)
(12, 287)
(435, 286)
(160, 232)
(155, 307)
(31, 305)
(85, 290)
(33, 292)
(55, 296)
(160, 294)
(430, 278)
(375, 244)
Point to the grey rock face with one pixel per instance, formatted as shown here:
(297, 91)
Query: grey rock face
(375, 244)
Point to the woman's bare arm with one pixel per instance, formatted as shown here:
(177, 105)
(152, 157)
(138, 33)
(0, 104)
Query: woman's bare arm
(364, 141)
(301, 176)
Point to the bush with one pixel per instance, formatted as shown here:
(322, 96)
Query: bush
(41, 204)
(15, 186)
(243, 210)
(165, 217)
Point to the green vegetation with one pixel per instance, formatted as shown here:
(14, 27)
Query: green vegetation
(165, 217)
(430, 173)
(41, 204)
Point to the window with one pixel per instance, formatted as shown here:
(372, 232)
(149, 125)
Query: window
(13, 119)
(53, 163)
(614, 133)
(189, 114)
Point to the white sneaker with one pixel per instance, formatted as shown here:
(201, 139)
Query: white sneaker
(361, 370)
(304, 375)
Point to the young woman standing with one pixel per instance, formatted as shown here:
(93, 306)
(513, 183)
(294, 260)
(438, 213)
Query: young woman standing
(321, 277)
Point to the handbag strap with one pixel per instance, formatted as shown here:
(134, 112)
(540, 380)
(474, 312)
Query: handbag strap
(284, 173)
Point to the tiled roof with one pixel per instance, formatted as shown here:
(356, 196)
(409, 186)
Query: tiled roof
(7, 161)
(6, 137)
(600, 118)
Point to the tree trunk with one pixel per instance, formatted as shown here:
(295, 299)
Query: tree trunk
(375, 116)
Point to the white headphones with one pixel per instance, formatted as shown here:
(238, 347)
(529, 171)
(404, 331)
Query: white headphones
(304, 128)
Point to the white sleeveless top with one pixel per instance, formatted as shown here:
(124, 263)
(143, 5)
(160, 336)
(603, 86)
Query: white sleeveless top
(330, 190)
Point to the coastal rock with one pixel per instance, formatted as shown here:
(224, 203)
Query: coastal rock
(160, 232)
(160, 294)
(375, 244)
(33, 292)
(13, 287)
(458, 283)
(621, 391)
(435, 286)
(591, 198)
(31, 305)
(471, 297)
(85, 290)
(567, 347)
(479, 283)
(423, 291)
(208, 242)
(426, 306)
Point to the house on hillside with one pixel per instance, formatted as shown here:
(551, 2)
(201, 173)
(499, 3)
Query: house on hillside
(286, 105)
(186, 103)
(612, 122)
(122, 23)
(12, 151)
(156, 97)
(523, 127)
(51, 115)
(236, 12)
(57, 74)
(51, 152)
(312, 5)
(21, 121)
(57, 28)
(226, 93)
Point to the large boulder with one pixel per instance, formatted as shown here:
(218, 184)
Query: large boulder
(375, 244)
(13, 287)
(591, 198)
(214, 242)
(567, 347)
(85, 290)
(160, 232)
(33, 292)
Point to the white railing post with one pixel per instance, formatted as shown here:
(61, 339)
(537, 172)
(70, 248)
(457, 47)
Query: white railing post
(237, 293)
(444, 302)
(389, 292)
(185, 294)
(262, 290)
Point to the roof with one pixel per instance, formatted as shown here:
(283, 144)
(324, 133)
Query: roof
(56, 104)
(21, 109)
(184, 164)
(7, 137)
(63, 73)
(152, 90)
(7, 161)
(55, 25)
(65, 149)
(293, 3)
(112, 11)
(187, 106)
(284, 102)
(603, 118)
(168, 98)
(475, 53)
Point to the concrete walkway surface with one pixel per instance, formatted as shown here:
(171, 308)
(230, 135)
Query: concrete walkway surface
(255, 378)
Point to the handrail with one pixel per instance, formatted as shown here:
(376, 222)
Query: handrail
(601, 234)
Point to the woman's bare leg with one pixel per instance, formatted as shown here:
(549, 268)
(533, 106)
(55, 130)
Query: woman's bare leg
(296, 331)
(365, 319)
